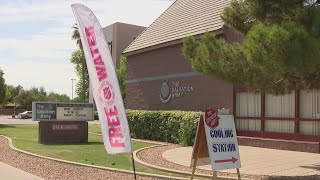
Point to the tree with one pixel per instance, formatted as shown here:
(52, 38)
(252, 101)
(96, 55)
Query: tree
(280, 49)
(2, 88)
(121, 73)
(76, 36)
(55, 97)
(12, 92)
(82, 86)
(25, 97)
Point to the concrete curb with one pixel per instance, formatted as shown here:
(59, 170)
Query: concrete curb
(175, 171)
(139, 140)
(166, 169)
(92, 166)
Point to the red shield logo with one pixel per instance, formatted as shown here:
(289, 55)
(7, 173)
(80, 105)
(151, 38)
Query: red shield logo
(107, 93)
(211, 118)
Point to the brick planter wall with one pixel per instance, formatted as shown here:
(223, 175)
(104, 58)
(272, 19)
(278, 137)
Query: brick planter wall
(312, 147)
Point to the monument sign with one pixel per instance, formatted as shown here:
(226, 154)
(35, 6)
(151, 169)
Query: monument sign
(62, 122)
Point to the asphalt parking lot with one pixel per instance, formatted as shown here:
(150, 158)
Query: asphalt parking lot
(9, 120)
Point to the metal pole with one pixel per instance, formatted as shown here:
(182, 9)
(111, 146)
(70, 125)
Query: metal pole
(134, 167)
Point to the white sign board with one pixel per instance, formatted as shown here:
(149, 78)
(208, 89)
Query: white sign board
(222, 140)
(56, 111)
(72, 112)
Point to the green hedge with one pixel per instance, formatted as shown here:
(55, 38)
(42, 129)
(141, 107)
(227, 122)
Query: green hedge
(168, 126)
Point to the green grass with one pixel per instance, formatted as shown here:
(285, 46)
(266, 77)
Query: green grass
(95, 128)
(25, 137)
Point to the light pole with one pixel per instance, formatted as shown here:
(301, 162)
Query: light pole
(72, 88)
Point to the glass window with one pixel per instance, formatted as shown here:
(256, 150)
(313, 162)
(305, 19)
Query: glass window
(309, 104)
(309, 127)
(248, 124)
(280, 106)
(248, 104)
(281, 126)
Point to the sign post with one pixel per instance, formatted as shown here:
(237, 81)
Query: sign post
(217, 130)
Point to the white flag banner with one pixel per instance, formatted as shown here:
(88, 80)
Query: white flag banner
(105, 86)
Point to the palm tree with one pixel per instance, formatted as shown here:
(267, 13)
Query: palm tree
(76, 36)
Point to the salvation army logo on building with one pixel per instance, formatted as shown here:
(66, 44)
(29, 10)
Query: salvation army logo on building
(165, 94)
(211, 118)
(174, 91)
(106, 93)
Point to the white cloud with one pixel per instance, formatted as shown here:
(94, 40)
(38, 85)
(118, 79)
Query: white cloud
(38, 11)
(53, 76)
(42, 58)
(142, 12)
(39, 46)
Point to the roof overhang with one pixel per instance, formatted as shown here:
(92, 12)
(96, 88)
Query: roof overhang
(217, 32)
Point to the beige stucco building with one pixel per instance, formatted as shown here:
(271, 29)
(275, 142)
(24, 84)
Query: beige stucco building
(119, 36)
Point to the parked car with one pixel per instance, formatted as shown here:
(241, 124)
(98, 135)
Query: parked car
(96, 117)
(25, 115)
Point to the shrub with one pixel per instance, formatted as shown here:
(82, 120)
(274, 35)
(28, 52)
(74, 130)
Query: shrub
(168, 126)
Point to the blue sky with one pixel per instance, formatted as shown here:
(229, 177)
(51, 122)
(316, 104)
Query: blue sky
(35, 36)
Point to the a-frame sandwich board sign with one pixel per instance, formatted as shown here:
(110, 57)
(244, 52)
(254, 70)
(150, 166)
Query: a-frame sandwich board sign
(216, 142)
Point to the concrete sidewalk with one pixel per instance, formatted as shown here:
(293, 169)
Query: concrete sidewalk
(12, 173)
(260, 161)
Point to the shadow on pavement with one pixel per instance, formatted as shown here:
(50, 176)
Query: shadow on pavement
(313, 177)
(316, 167)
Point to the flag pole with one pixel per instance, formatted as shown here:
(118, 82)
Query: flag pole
(133, 164)
(134, 167)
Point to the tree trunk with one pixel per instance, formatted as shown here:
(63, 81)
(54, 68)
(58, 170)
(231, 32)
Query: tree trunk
(83, 77)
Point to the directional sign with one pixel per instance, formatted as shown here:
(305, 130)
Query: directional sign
(221, 140)
(233, 160)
